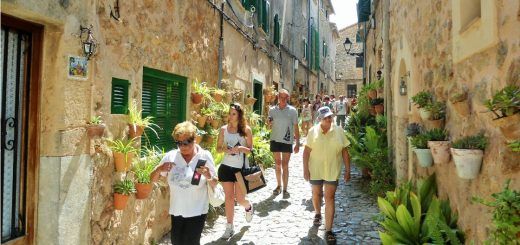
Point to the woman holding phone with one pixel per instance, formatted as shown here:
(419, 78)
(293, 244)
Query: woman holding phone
(188, 169)
(235, 140)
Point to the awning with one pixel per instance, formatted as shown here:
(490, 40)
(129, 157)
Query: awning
(363, 10)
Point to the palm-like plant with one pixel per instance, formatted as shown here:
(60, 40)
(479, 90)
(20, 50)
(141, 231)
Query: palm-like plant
(122, 145)
(144, 167)
(124, 187)
(505, 102)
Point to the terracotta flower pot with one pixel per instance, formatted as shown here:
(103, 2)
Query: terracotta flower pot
(467, 162)
(196, 98)
(462, 108)
(209, 139)
(228, 97)
(379, 109)
(440, 151)
(215, 124)
(250, 101)
(135, 130)
(217, 97)
(120, 201)
(201, 121)
(425, 114)
(95, 130)
(143, 190)
(372, 110)
(122, 161)
(424, 157)
(198, 139)
(372, 94)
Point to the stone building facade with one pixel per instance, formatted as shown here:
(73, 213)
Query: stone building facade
(349, 68)
(63, 187)
(472, 50)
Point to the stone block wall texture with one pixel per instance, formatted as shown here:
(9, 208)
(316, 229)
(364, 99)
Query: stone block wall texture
(346, 70)
(428, 37)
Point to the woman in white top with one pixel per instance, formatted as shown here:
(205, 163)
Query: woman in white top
(235, 140)
(188, 192)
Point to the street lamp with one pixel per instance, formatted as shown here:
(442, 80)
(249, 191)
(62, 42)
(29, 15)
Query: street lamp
(348, 49)
(403, 88)
(89, 44)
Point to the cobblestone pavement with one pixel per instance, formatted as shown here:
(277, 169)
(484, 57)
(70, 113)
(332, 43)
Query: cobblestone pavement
(288, 220)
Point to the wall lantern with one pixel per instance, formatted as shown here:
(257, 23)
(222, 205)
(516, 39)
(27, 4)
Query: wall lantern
(378, 75)
(88, 43)
(348, 47)
(403, 88)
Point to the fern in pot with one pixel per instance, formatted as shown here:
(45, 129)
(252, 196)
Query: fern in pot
(467, 154)
(420, 147)
(439, 145)
(143, 169)
(122, 190)
(95, 127)
(123, 152)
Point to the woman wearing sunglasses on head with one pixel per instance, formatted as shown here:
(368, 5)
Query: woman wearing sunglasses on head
(235, 140)
(188, 169)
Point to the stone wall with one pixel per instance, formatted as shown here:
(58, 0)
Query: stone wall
(422, 45)
(346, 70)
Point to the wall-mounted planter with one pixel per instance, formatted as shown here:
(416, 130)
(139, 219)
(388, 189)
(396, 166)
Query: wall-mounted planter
(120, 201)
(217, 97)
(467, 162)
(95, 130)
(215, 124)
(509, 126)
(424, 157)
(198, 139)
(201, 121)
(379, 109)
(196, 98)
(250, 101)
(425, 114)
(372, 94)
(440, 151)
(461, 107)
(135, 130)
(143, 190)
(122, 161)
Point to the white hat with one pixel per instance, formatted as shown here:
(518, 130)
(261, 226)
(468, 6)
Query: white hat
(324, 112)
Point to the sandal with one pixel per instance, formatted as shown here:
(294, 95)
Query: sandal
(277, 191)
(317, 220)
(330, 238)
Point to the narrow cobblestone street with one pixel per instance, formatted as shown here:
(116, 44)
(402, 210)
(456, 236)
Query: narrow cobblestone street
(288, 220)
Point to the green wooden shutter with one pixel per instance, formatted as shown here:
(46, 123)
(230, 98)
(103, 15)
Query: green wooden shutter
(119, 100)
(305, 49)
(317, 48)
(265, 16)
(276, 34)
(259, 13)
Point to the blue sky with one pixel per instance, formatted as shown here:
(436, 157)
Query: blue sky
(345, 13)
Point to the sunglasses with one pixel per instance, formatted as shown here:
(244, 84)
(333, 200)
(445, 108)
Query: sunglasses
(235, 106)
(184, 142)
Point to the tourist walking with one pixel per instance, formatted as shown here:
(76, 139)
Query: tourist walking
(235, 140)
(283, 120)
(315, 106)
(325, 151)
(306, 116)
(188, 169)
(341, 110)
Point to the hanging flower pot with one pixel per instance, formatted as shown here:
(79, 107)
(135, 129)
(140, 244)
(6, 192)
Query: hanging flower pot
(424, 157)
(95, 130)
(122, 190)
(217, 97)
(135, 130)
(201, 121)
(120, 201)
(425, 114)
(467, 162)
(198, 139)
(440, 151)
(196, 98)
(372, 110)
(228, 97)
(372, 94)
(250, 101)
(122, 161)
(215, 123)
(143, 190)
(379, 109)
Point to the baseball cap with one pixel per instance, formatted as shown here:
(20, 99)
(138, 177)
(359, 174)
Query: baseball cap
(324, 112)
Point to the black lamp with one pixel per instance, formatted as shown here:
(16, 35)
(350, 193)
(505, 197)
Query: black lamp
(378, 76)
(88, 44)
(349, 44)
(402, 87)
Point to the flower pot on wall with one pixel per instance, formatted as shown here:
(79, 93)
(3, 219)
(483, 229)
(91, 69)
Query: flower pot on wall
(379, 109)
(424, 157)
(201, 121)
(440, 151)
(467, 162)
(372, 110)
(120, 201)
(198, 139)
(143, 190)
(135, 130)
(372, 94)
(250, 101)
(215, 124)
(425, 114)
(217, 97)
(95, 130)
(196, 98)
(122, 161)
(461, 108)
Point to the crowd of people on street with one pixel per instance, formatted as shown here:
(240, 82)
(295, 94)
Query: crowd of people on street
(190, 170)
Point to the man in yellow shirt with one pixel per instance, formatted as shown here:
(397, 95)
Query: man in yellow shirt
(325, 150)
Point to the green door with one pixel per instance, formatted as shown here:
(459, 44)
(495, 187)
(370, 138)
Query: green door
(257, 94)
(163, 98)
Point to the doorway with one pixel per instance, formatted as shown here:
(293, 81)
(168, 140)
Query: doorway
(257, 94)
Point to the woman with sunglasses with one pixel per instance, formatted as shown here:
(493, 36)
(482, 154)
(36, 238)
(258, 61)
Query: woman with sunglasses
(325, 151)
(188, 169)
(235, 140)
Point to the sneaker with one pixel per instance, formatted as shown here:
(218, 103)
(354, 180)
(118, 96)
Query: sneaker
(249, 213)
(228, 233)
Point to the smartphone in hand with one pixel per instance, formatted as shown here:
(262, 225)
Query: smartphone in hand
(195, 179)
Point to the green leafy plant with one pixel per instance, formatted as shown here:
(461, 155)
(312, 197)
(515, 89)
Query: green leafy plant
(124, 187)
(218, 91)
(437, 109)
(413, 129)
(420, 141)
(474, 142)
(95, 120)
(506, 215)
(514, 145)
(201, 88)
(505, 102)
(438, 134)
(422, 99)
(143, 167)
(135, 117)
(377, 101)
(122, 145)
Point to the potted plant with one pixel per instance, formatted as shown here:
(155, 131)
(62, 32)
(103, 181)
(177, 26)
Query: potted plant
(378, 106)
(136, 123)
(122, 190)
(371, 90)
(218, 94)
(467, 154)
(204, 114)
(215, 121)
(250, 100)
(95, 127)
(413, 129)
(200, 92)
(514, 145)
(422, 99)
(200, 134)
(420, 147)
(143, 169)
(460, 103)
(439, 145)
(123, 152)
(437, 111)
(505, 102)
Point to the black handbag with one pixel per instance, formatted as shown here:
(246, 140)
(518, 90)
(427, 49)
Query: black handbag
(251, 179)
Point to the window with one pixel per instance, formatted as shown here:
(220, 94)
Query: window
(276, 34)
(163, 98)
(119, 100)
(305, 48)
(359, 61)
(248, 4)
(316, 50)
(324, 49)
(262, 10)
(351, 90)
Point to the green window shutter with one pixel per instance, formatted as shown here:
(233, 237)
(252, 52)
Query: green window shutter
(265, 17)
(276, 36)
(259, 12)
(305, 49)
(119, 100)
(317, 48)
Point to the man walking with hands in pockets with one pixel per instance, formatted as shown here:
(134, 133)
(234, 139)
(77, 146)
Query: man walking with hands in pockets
(283, 120)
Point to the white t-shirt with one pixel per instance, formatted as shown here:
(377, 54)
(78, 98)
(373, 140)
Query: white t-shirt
(188, 200)
(341, 107)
